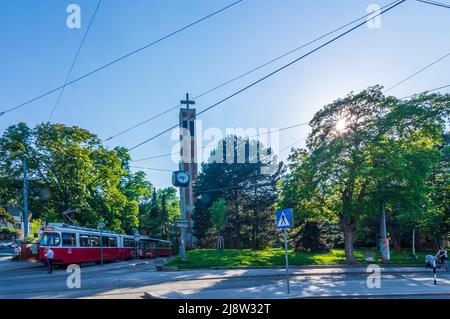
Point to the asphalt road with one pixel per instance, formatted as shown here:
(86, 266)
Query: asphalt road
(6, 251)
(139, 279)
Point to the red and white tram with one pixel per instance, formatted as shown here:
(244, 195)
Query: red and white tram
(150, 247)
(75, 245)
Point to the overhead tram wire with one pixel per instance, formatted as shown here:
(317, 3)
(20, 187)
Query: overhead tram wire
(435, 3)
(222, 188)
(228, 187)
(285, 128)
(74, 61)
(416, 73)
(119, 59)
(207, 146)
(268, 75)
(240, 186)
(243, 74)
(426, 91)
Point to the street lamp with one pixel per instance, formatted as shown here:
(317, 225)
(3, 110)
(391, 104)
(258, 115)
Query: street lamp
(101, 225)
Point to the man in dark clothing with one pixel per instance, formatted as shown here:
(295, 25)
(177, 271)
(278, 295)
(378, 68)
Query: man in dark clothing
(442, 256)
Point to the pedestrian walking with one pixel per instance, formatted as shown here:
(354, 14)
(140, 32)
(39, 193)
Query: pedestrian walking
(18, 250)
(49, 254)
(442, 256)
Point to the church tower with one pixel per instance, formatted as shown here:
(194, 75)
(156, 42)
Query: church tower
(188, 163)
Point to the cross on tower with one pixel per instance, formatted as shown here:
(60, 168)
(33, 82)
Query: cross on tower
(187, 102)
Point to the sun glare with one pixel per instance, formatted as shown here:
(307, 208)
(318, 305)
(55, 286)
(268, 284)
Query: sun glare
(341, 125)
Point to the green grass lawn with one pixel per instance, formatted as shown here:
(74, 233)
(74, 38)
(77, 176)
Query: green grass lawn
(207, 258)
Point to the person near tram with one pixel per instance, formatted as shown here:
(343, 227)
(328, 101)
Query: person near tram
(50, 255)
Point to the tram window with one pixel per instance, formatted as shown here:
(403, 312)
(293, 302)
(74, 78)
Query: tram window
(128, 243)
(85, 241)
(95, 241)
(163, 245)
(112, 242)
(50, 239)
(105, 241)
(69, 240)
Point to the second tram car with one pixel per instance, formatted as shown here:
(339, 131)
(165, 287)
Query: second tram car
(75, 245)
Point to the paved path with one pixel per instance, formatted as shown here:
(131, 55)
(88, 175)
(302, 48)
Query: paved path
(349, 286)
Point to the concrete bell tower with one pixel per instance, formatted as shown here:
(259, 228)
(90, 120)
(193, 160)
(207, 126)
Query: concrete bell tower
(188, 163)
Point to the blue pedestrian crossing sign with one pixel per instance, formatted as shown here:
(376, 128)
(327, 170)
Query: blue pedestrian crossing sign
(285, 218)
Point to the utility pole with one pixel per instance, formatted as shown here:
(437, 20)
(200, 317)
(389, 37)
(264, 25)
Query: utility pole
(183, 228)
(25, 200)
(383, 232)
(384, 242)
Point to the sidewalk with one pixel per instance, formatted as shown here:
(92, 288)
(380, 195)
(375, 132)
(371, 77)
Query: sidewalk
(299, 290)
(307, 283)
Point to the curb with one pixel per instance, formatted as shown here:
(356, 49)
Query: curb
(300, 267)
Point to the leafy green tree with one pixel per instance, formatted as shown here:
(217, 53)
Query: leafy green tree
(69, 169)
(404, 157)
(247, 181)
(436, 223)
(6, 218)
(367, 153)
(158, 216)
(219, 217)
(333, 170)
(36, 225)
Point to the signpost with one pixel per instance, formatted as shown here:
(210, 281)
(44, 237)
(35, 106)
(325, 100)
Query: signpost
(285, 220)
(25, 201)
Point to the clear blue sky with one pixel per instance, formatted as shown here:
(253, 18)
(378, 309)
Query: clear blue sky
(37, 49)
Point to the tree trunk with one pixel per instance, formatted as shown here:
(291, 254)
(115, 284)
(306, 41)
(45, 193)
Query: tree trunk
(418, 243)
(394, 238)
(220, 241)
(348, 230)
(436, 243)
